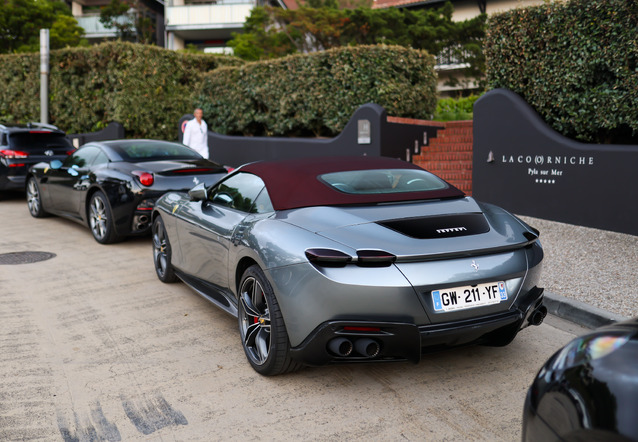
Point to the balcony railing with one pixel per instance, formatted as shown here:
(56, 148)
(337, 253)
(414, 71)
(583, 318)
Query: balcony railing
(208, 14)
(453, 56)
(93, 28)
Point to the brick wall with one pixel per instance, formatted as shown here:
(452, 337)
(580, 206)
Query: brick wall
(449, 155)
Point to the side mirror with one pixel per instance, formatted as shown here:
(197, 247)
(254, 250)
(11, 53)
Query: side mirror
(55, 164)
(198, 193)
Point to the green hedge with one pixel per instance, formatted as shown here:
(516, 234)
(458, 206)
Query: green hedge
(316, 94)
(455, 109)
(574, 62)
(144, 87)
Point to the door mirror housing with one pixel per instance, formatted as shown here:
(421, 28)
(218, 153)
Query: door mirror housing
(198, 193)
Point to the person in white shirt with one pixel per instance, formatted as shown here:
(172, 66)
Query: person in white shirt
(196, 134)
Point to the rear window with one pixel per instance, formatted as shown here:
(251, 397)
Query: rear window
(151, 150)
(383, 181)
(26, 140)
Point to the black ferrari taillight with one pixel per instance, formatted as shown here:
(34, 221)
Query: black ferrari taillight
(328, 257)
(375, 258)
(145, 178)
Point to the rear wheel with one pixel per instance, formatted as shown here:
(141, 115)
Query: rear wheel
(162, 252)
(261, 326)
(101, 219)
(34, 199)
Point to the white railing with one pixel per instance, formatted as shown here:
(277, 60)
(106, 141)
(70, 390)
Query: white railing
(93, 27)
(208, 14)
(453, 56)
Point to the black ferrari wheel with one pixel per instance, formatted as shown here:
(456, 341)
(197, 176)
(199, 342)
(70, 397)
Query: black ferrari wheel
(34, 199)
(162, 252)
(100, 219)
(261, 325)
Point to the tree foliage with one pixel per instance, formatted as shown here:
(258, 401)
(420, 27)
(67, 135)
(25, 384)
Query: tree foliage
(316, 94)
(144, 87)
(272, 32)
(21, 21)
(574, 62)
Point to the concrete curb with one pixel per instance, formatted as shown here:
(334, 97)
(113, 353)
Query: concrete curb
(579, 312)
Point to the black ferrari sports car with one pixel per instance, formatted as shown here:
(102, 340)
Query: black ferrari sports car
(350, 259)
(112, 186)
(588, 390)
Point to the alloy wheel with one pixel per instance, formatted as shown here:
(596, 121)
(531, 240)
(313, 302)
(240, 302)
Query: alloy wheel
(98, 217)
(33, 198)
(159, 249)
(255, 320)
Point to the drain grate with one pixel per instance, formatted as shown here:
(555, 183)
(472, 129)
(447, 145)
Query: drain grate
(24, 257)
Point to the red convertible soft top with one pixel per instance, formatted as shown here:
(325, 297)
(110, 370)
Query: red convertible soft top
(295, 183)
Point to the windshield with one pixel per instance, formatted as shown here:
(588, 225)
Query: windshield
(383, 181)
(152, 150)
(26, 140)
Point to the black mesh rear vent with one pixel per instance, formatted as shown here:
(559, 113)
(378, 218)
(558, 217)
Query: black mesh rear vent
(445, 226)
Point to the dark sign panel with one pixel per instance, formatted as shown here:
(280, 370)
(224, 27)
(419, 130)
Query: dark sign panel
(526, 167)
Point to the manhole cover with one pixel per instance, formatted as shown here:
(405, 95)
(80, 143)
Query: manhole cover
(24, 257)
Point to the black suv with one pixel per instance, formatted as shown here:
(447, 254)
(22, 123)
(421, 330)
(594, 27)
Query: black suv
(22, 146)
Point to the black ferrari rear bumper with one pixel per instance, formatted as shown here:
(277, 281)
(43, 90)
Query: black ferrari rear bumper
(344, 341)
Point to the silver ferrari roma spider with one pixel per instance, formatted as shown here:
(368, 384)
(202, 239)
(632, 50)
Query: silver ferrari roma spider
(339, 260)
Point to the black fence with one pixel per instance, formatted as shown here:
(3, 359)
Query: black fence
(112, 131)
(367, 133)
(526, 167)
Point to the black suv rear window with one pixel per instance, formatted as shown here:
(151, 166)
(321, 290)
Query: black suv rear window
(26, 140)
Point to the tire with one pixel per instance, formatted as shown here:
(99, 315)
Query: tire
(101, 219)
(261, 326)
(34, 199)
(162, 252)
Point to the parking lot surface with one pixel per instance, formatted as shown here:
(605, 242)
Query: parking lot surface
(94, 347)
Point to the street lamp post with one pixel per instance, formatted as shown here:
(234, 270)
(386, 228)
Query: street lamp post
(44, 76)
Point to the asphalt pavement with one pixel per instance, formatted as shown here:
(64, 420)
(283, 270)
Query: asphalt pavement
(94, 347)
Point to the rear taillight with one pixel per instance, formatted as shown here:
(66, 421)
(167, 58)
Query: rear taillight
(328, 257)
(375, 258)
(145, 178)
(11, 154)
(69, 152)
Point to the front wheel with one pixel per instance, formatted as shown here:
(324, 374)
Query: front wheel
(34, 199)
(101, 220)
(261, 326)
(162, 252)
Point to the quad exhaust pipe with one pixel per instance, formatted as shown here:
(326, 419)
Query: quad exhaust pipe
(344, 347)
(341, 346)
(141, 222)
(538, 315)
(367, 347)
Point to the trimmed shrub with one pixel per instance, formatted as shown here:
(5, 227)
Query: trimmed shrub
(455, 109)
(145, 88)
(574, 62)
(317, 93)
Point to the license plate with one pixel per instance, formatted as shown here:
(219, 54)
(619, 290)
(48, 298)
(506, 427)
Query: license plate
(460, 298)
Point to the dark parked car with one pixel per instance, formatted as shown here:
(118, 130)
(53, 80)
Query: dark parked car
(339, 260)
(588, 390)
(22, 146)
(112, 186)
